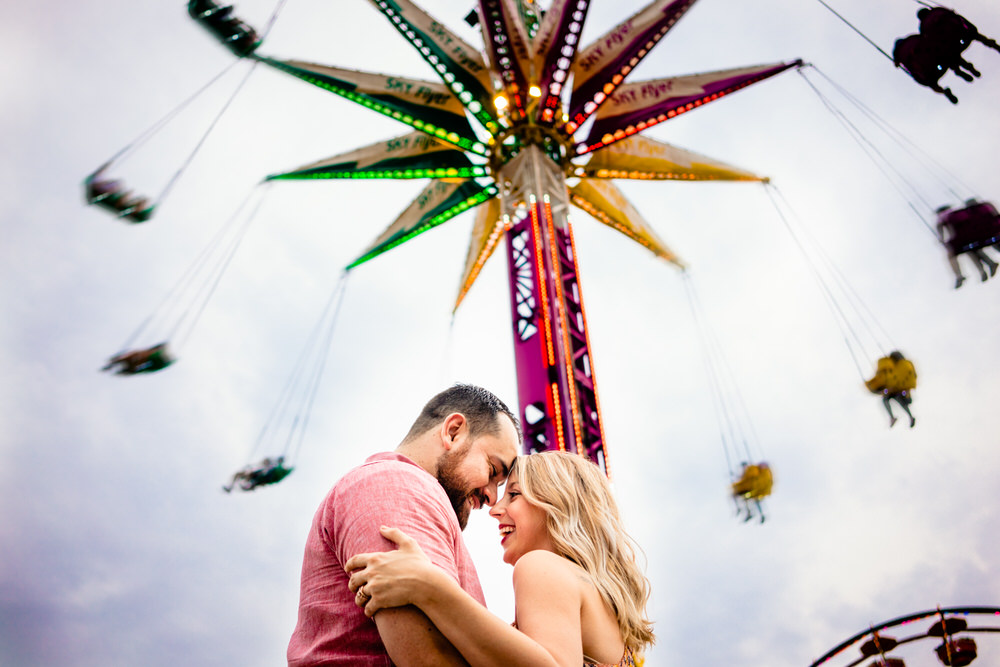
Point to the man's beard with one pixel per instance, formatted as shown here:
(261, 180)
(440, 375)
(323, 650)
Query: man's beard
(454, 485)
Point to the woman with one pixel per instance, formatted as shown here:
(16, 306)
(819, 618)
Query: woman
(579, 597)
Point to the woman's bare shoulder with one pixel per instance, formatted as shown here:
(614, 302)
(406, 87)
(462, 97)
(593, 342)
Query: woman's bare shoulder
(541, 558)
(546, 568)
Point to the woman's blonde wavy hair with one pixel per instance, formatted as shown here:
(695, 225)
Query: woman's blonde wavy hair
(583, 520)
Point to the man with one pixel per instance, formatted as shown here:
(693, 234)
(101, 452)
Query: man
(457, 452)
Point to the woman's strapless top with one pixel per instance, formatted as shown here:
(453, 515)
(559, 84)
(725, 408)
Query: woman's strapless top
(628, 660)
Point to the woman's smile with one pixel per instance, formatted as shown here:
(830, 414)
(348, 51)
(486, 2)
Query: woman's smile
(522, 526)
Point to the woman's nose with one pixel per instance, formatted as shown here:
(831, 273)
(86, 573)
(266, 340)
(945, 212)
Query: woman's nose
(497, 510)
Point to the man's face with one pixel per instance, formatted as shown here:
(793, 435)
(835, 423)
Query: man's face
(471, 471)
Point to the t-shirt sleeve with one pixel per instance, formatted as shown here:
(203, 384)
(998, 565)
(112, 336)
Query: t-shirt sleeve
(397, 495)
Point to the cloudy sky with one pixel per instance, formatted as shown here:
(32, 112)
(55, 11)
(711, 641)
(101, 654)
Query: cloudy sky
(120, 548)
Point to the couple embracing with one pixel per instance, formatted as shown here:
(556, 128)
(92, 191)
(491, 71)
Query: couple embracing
(579, 596)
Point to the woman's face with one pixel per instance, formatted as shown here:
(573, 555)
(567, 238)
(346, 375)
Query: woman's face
(522, 525)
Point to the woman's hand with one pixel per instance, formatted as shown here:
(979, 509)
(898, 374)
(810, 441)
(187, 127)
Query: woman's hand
(391, 578)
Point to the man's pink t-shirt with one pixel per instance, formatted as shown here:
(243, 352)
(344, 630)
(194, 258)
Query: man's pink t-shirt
(387, 490)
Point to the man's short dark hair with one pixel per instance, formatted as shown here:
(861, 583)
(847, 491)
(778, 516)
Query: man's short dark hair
(480, 407)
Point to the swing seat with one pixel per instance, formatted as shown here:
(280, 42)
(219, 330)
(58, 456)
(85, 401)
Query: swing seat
(265, 477)
(235, 34)
(112, 196)
(962, 649)
(975, 226)
(150, 360)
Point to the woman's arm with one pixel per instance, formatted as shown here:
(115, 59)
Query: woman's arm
(547, 600)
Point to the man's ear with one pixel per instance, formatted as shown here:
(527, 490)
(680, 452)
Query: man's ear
(453, 429)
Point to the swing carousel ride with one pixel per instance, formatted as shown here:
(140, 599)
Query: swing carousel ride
(519, 131)
(555, 124)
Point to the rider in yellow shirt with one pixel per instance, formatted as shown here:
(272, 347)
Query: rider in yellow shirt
(894, 379)
(754, 484)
